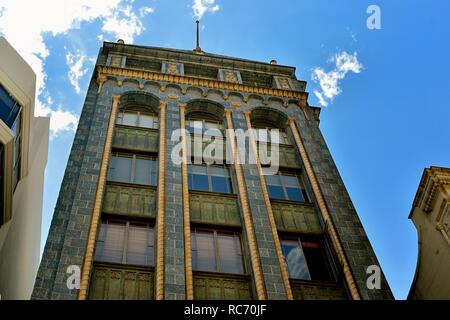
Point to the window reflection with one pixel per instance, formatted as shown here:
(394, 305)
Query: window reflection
(132, 169)
(284, 186)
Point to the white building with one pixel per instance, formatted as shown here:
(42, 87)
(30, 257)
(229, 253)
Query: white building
(23, 157)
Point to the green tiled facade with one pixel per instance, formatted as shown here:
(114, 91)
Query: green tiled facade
(136, 74)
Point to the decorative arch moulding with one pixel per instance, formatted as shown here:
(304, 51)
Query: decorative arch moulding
(103, 72)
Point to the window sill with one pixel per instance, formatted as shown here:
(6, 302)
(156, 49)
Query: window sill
(300, 203)
(130, 185)
(138, 128)
(321, 283)
(241, 276)
(215, 194)
(123, 266)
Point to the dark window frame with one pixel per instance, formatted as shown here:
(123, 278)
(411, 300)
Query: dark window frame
(2, 184)
(209, 175)
(17, 148)
(283, 135)
(301, 183)
(133, 157)
(216, 233)
(125, 251)
(122, 112)
(331, 276)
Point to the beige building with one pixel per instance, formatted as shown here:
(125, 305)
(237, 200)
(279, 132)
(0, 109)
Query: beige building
(23, 157)
(431, 216)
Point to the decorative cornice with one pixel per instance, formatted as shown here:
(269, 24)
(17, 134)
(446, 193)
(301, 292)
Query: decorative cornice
(301, 97)
(433, 179)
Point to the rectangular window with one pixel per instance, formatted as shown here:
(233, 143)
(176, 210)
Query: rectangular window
(9, 107)
(209, 178)
(285, 186)
(269, 135)
(216, 251)
(306, 260)
(17, 132)
(125, 243)
(138, 119)
(205, 127)
(2, 184)
(133, 169)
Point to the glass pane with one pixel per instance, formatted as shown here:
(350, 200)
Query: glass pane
(151, 247)
(230, 253)
(119, 169)
(129, 119)
(112, 248)
(200, 182)
(119, 118)
(220, 179)
(295, 194)
(273, 180)
(9, 108)
(274, 187)
(198, 178)
(153, 172)
(203, 254)
(220, 184)
(284, 138)
(143, 171)
(317, 261)
(137, 252)
(262, 135)
(291, 181)
(276, 192)
(147, 121)
(295, 260)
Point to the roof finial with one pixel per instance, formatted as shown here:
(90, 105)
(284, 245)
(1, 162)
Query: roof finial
(197, 39)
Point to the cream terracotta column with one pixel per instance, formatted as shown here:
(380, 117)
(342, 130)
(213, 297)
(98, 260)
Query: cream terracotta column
(253, 248)
(160, 216)
(273, 226)
(324, 210)
(96, 211)
(186, 212)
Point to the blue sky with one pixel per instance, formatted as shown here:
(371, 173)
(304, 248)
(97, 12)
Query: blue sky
(388, 122)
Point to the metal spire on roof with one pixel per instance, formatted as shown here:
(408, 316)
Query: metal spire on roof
(197, 40)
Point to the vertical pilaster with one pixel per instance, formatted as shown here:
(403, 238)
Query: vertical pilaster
(160, 217)
(273, 227)
(186, 212)
(259, 221)
(175, 281)
(324, 210)
(96, 211)
(248, 223)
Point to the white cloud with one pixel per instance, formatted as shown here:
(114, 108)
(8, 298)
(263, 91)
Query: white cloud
(329, 81)
(61, 121)
(144, 11)
(56, 17)
(200, 7)
(76, 62)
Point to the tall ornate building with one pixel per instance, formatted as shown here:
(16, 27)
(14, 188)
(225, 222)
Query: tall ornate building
(140, 225)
